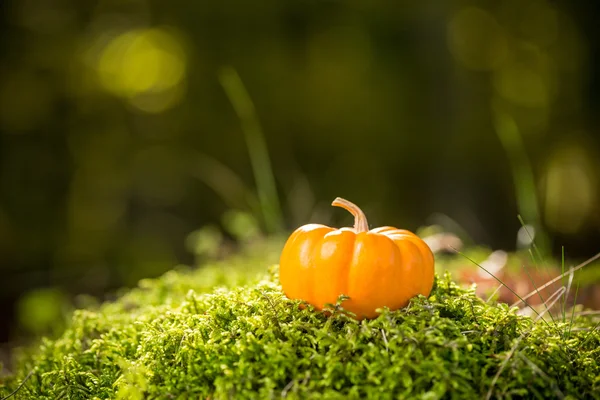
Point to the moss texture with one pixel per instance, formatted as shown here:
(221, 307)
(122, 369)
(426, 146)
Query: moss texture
(182, 337)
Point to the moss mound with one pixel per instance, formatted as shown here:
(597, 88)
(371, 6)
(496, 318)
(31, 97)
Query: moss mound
(177, 337)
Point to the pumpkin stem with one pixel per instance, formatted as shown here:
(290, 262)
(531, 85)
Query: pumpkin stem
(360, 220)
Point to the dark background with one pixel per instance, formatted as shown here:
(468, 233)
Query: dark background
(118, 138)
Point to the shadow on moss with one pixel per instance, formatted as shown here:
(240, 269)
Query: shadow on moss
(178, 338)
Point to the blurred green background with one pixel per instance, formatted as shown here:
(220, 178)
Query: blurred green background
(127, 125)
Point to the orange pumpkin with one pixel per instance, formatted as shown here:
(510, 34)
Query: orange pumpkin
(380, 267)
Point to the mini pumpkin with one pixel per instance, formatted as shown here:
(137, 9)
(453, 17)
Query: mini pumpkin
(381, 267)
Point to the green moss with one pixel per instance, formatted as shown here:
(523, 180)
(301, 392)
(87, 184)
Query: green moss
(178, 337)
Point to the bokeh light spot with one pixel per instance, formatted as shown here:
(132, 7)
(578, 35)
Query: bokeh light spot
(570, 190)
(41, 309)
(525, 236)
(205, 242)
(141, 63)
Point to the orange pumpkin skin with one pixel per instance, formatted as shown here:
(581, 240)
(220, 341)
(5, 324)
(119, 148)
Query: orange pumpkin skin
(382, 267)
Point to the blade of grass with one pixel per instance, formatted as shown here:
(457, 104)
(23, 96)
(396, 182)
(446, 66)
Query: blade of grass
(536, 263)
(589, 335)
(573, 309)
(257, 148)
(531, 238)
(566, 296)
(502, 283)
(540, 259)
(562, 271)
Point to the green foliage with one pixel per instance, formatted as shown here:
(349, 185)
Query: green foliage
(180, 337)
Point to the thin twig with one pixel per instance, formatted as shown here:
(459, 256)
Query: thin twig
(589, 312)
(19, 387)
(538, 292)
(287, 388)
(494, 293)
(387, 347)
(571, 270)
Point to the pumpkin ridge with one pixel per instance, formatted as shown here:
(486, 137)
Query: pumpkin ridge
(408, 247)
(312, 270)
(326, 260)
(400, 259)
(315, 254)
(406, 240)
(353, 304)
(346, 270)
